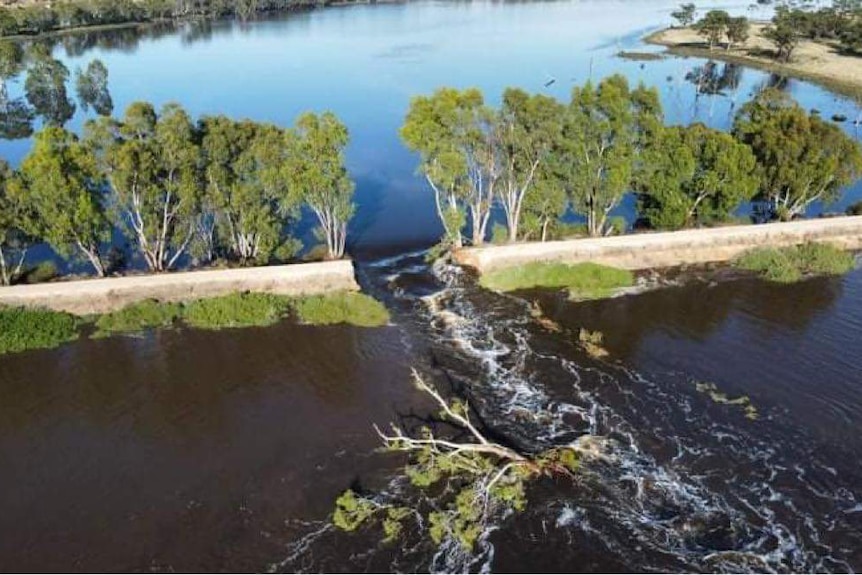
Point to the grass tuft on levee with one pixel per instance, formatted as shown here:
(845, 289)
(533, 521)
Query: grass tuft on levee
(795, 263)
(236, 310)
(344, 307)
(22, 329)
(138, 317)
(584, 281)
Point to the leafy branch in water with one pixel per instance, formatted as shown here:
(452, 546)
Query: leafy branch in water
(469, 482)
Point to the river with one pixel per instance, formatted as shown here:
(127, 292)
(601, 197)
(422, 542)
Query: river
(186, 450)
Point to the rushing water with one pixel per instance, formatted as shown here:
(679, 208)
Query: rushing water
(188, 450)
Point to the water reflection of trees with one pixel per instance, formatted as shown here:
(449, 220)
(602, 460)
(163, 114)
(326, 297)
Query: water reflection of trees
(713, 80)
(699, 310)
(46, 88)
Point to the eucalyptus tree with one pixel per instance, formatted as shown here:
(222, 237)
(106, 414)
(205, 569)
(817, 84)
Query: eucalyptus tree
(527, 128)
(315, 172)
(91, 85)
(152, 166)
(685, 14)
(604, 130)
(15, 224)
(45, 87)
(713, 26)
(544, 206)
(246, 188)
(454, 133)
(737, 31)
(695, 175)
(801, 158)
(60, 181)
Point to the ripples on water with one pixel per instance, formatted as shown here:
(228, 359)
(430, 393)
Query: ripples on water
(682, 483)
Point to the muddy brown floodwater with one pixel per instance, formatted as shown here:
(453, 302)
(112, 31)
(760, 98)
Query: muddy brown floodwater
(190, 450)
(187, 450)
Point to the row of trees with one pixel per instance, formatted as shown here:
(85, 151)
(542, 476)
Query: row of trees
(841, 23)
(214, 188)
(40, 17)
(47, 87)
(537, 159)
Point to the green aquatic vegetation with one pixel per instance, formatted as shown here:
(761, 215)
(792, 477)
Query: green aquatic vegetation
(343, 307)
(137, 317)
(459, 486)
(794, 263)
(22, 329)
(584, 281)
(717, 396)
(236, 310)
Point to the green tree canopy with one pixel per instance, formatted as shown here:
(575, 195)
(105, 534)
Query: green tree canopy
(152, 164)
(454, 133)
(528, 129)
(801, 158)
(685, 14)
(60, 182)
(246, 187)
(604, 130)
(695, 176)
(316, 173)
(16, 226)
(713, 26)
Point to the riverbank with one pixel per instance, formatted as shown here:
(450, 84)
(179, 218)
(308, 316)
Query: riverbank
(820, 62)
(668, 249)
(96, 296)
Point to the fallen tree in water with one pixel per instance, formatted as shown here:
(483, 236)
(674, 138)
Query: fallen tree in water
(467, 482)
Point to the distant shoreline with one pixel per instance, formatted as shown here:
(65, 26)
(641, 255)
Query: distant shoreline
(818, 62)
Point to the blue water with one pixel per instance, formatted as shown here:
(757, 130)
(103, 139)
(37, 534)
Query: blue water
(366, 62)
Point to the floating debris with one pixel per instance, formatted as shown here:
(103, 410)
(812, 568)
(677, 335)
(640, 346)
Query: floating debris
(592, 342)
(743, 401)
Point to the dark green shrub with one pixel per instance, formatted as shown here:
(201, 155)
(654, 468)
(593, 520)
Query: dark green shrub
(148, 314)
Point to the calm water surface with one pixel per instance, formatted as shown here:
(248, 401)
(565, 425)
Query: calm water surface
(188, 450)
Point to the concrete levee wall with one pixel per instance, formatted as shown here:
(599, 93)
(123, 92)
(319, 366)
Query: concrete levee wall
(668, 249)
(108, 294)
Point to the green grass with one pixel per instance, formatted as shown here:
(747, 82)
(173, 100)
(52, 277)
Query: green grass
(584, 281)
(345, 307)
(22, 329)
(140, 316)
(236, 310)
(792, 264)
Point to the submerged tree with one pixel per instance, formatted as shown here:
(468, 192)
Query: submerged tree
(45, 87)
(92, 88)
(60, 182)
(801, 158)
(695, 175)
(316, 174)
(152, 165)
(603, 132)
(453, 132)
(475, 480)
